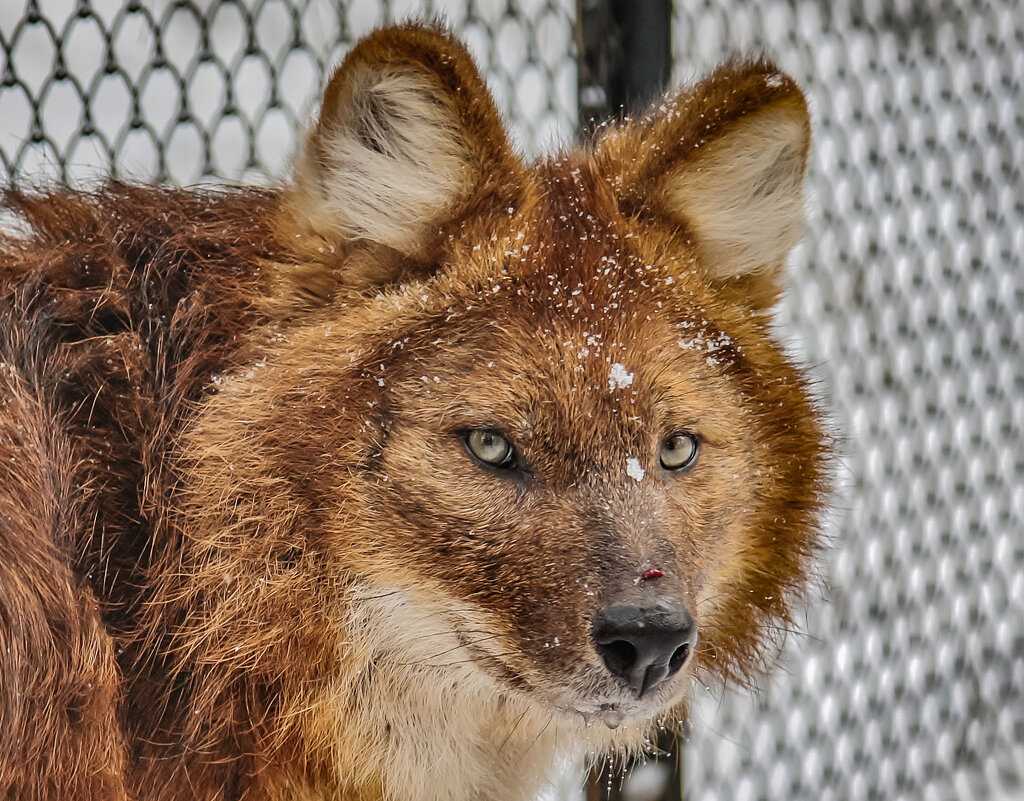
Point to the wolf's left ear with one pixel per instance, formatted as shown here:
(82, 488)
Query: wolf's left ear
(724, 160)
(408, 139)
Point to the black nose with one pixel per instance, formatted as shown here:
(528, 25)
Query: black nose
(644, 644)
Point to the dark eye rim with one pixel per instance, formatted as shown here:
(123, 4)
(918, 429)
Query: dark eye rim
(689, 463)
(511, 459)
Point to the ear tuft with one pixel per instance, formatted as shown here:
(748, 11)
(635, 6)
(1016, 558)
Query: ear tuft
(407, 137)
(725, 160)
(393, 162)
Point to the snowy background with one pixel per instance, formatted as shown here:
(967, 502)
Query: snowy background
(907, 297)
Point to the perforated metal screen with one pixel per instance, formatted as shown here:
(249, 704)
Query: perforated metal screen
(185, 90)
(908, 296)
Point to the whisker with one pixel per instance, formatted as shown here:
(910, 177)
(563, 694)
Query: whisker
(501, 748)
(448, 651)
(461, 661)
(540, 734)
(440, 634)
(376, 597)
(770, 627)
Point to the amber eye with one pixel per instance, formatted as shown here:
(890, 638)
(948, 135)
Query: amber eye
(679, 451)
(490, 447)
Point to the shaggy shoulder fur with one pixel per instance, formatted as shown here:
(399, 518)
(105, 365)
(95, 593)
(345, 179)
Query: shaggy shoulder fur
(116, 308)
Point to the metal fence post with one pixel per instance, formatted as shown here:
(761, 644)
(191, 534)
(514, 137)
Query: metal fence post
(625, 58)
(625, 55)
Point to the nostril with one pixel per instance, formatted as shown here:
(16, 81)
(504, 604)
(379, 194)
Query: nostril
(618, 655)
(678, 657)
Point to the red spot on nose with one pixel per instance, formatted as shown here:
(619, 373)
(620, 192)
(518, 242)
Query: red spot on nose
(651, 573)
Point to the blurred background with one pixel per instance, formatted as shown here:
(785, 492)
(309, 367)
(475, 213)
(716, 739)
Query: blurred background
(907, 300)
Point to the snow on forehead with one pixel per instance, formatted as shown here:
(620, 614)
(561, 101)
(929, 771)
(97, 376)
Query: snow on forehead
(619, 377)
(574, 256)
(586, 280)
(594, 281)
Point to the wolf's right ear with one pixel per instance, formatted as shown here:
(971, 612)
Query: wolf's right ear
(408, 140)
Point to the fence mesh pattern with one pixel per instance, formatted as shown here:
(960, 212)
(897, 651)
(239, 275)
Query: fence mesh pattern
(186, 90)
(909, 296)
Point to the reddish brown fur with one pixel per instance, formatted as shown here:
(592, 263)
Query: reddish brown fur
(227, 454)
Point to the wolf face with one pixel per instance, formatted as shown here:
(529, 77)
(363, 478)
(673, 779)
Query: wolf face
(526, 429)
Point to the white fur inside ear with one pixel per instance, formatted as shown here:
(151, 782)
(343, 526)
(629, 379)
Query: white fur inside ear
(392, 163)
(743, 193)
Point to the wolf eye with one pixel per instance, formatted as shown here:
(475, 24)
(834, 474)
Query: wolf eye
(490, 447)
(679, 451)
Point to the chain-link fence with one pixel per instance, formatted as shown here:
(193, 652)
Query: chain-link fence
(187, 90)
(908, 296)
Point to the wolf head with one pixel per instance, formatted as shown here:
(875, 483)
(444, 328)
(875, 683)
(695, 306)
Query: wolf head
(526, 423)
